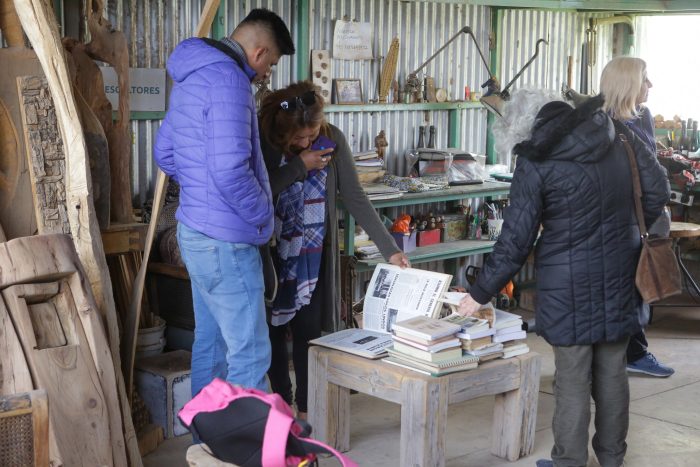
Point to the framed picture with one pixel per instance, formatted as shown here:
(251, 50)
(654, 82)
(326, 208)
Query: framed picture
(348, 91)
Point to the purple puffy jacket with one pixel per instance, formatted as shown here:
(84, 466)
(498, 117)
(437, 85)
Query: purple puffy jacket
(209, 142)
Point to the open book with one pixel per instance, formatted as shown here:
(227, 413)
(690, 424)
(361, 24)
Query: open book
(396, 294)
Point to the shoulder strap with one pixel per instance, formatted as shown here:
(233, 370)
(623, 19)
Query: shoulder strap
(636, 185)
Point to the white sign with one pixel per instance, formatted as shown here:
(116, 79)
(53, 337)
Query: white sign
(147, 88)
(352, 40)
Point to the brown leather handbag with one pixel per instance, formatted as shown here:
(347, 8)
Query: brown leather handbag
(658, 275)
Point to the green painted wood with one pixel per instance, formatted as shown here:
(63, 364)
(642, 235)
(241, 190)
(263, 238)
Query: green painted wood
(302, 40)
(454, 134)
(495, 65)
(218, 25)
(155, 115)
(487, 189)
(456, 105)
(437, 252)
(600, 5)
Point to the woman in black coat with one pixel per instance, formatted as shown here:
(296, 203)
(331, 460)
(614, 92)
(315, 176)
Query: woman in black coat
(572, 196)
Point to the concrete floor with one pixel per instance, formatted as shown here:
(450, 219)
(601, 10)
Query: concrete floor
(664, 413)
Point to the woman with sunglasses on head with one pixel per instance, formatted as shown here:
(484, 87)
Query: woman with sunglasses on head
(309, 163)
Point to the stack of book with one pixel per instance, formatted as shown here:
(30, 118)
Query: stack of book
(476, 337)
(509, 332)
(428, 345)
(370, 168)
(376, 191)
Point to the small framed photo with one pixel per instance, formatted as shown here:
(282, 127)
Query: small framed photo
(348, 91)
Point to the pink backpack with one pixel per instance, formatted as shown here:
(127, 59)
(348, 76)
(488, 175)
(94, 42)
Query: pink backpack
(248, 427)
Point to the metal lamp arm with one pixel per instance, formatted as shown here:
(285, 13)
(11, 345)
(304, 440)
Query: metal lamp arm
(466, 30)
(537, 51)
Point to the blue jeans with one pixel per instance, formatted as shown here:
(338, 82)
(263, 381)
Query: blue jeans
(230, 338)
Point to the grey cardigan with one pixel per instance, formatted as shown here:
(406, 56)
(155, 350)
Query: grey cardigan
(342, 178)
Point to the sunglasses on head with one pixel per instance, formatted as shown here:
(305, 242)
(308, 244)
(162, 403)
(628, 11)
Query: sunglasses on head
(300, 102)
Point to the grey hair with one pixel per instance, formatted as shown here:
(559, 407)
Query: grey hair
(519, 114)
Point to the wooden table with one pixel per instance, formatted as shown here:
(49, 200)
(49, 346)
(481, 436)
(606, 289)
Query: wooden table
(685, 230)
(424, 401)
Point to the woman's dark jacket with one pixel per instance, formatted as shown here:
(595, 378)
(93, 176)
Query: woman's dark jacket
(342, 179)
(573, 179)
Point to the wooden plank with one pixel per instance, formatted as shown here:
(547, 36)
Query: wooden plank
(124, 238)
(132, 325)
(40, 26)
(47, 161)
(14, 372)
(515, 413)
(110, 46)
(329, 404)
(423, 421)
(40, 422)
(68, 374)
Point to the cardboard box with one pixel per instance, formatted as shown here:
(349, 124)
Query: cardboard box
(407, 243)
(455, 227)
(163, 382)
(428, 237)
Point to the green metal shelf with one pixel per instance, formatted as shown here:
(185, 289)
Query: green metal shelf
(434, 252)
(456, 105)
(437, 252)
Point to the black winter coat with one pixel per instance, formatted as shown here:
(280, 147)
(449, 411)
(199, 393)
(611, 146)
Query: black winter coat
(573, 179)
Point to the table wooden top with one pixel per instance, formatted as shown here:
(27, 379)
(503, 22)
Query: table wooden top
(684, 230)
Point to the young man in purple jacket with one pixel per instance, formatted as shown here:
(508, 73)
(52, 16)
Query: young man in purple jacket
(209, 143)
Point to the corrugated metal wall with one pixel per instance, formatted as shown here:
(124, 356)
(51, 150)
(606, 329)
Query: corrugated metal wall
(153, 29)
(422, 27)
(565, 32)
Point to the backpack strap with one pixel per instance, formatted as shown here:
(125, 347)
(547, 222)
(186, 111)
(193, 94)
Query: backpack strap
(277, 429)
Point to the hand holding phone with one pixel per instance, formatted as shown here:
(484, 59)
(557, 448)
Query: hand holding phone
(318, 155)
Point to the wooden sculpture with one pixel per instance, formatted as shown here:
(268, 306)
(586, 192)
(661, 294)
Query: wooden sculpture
(39, 23)
(110, 46)
(16, 213)
(388, 70)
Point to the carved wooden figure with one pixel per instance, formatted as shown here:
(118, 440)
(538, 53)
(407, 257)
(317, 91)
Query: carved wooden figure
(109, 45)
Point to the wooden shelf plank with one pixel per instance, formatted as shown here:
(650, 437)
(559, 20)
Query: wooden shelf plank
(437, 252)
(402, 107)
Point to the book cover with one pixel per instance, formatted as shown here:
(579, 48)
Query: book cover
(507, 330)
(469, 324)
(421, 341)
(414, 366)
(474, 344)
(368, 344)
(477, 334)
(510, 336)
(426, 327)
(435, 357)
(464, 359)
(506, 319)
(435, 347)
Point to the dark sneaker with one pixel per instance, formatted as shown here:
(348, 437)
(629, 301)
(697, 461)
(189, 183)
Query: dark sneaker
(649, 365)
(545, 463)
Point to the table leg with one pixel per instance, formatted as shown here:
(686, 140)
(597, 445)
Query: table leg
(515, 414)
(423, 422)
(328, 405)
(685, 272)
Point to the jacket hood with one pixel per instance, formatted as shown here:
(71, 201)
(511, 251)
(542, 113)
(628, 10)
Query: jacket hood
(561, 132)
(194, 54)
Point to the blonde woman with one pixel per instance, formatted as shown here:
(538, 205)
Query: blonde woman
(625, 85)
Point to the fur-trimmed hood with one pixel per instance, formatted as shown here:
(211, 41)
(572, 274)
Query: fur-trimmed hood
(562, 132)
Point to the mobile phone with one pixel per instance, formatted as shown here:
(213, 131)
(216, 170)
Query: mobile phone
(323, 142)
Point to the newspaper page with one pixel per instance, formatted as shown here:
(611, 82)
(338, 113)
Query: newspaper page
(396, 294)
(369, 344)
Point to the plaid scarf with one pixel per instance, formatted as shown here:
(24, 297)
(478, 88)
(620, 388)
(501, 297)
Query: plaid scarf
(300, 216)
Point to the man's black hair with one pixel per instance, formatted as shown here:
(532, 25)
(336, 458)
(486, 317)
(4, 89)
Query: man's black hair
(275, 24)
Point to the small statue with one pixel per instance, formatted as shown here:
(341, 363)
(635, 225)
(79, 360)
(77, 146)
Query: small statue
(395, 92)
(262, 92)
(380, 143)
